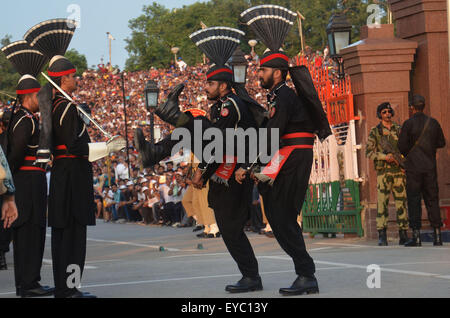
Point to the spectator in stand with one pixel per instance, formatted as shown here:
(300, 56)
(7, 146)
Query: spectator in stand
(121, 171)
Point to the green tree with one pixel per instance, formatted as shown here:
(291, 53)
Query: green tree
(158, 29)
(79, 60)
(8, 76)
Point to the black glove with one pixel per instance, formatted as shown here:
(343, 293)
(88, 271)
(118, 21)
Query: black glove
(170, 112)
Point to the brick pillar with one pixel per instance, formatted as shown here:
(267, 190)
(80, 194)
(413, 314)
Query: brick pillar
(425, 21)
(379, 67)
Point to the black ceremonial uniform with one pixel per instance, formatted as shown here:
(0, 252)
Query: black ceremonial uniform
(230, 202)
(284, 199)
(419, 139)
(71, 200)
(31, 199)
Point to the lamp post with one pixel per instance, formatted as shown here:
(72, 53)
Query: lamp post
(126, 122)
(175, 51)
(239, 65)
(339, 32)
(151, 102)
(252, 44)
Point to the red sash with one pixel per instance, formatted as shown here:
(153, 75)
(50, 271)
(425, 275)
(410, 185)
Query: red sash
(226, 170)
(274, 167)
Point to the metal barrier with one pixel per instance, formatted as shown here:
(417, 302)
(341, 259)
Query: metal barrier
(332, 203)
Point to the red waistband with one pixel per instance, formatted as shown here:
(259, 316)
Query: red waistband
(30, 158)
(66, 156)
(28, 168)
(298, 135)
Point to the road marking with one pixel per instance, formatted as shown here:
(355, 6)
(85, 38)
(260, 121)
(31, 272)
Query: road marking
(383, 247)
(131, 244)
(192, 278)
(50, 262)
(189, 255)
(390, 270)
(319, 249)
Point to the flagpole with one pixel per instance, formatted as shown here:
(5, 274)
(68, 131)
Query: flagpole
(300, 29)
(203, 27)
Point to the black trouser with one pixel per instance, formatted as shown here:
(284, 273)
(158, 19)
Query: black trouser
(5, 238)
(231, 217)
(68, 248)
(178, 212)
(168, 212)
(28, 243)
(418, 185)
(283, 203)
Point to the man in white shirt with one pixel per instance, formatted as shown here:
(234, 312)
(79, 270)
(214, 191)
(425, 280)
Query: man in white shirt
(121, 170)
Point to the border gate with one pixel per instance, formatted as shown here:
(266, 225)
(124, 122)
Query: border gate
(332, 203)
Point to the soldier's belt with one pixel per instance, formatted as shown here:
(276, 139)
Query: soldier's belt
(62, 153)
(28, 165)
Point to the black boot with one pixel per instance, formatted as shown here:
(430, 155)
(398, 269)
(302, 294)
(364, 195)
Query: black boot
(415, 240)
(382, 238)
(170, 111)
(437, 237)
(403, 237)
(39, 291)
(150, 154)
(3, 266)
(301, 286)
(245, 285)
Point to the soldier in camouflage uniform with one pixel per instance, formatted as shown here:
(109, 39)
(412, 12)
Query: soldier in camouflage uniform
(390, 175)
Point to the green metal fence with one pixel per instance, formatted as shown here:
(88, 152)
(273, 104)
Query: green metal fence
(333, 208)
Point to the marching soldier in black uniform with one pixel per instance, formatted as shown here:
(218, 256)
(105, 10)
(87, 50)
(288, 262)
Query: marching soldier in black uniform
(226, 197)
(285, 180)
(419, 140)
(31, 184)
(71, 201)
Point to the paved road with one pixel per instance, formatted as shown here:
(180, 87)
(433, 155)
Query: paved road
(125, 261)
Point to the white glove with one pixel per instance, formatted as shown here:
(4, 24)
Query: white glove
(116, 144)
(101, 150)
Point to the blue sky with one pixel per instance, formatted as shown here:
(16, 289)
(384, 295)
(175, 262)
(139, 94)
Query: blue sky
(96, 16)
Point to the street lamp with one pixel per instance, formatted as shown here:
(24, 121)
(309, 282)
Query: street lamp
(175, 51)
(151, 102)
(252, 44)
(239, 65)
(339, 32)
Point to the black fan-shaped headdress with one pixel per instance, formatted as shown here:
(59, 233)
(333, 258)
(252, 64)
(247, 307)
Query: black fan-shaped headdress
(271, 23)
(218, 44)
(28, 63)
(52, 38)
(25, 59)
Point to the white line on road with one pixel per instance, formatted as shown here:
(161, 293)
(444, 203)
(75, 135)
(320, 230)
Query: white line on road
(130, 244)
(50, 262)
(384, 247)
(390, 270)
